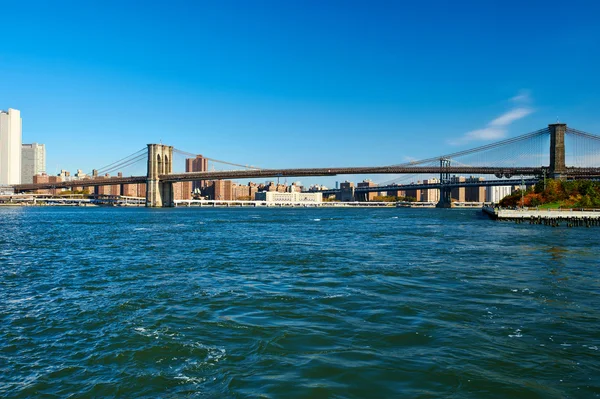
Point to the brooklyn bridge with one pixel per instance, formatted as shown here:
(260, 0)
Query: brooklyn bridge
(556, 151)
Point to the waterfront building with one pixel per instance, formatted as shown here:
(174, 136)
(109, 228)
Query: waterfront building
(10, 146)
(44, 178)
(414, 193)
(135, 190)
(240, 191)
(292, 198)
(309, 197)
(346, 193)
(182, 190)
(107, 189)
(496, 193)
(430, 194)
(474, 194)
(243, 191)
(33, 161)
(367, 196)
(198, 164)
(458, 193)
(222, 190)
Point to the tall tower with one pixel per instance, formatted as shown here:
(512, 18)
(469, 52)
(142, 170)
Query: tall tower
(33, 161)
(160, 162)
(198, 164)
(10, 146)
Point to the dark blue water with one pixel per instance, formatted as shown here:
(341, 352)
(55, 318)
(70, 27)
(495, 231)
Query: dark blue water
(322, 303)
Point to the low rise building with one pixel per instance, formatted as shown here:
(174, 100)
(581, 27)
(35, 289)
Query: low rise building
(135, 190)
(107, 189)
(292, 198)
(44, 178)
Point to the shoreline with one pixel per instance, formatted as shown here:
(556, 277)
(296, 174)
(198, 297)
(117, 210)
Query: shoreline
(548, 217)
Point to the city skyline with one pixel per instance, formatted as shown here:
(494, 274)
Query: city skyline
(231, 89)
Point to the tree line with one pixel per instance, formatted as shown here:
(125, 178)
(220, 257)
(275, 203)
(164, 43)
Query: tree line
(557, 193)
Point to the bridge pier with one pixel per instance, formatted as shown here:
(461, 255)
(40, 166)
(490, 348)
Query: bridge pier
(160, 162)
(445, 191)
(558, 167)
(445, 198)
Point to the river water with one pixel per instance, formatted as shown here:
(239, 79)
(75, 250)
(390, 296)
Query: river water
(295, 303)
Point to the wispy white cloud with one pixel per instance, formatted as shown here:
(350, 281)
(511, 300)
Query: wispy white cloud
(497, 128)
(509, 117)
(523, 97)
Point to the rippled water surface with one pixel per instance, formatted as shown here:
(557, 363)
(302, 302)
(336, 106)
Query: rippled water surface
(276, 303)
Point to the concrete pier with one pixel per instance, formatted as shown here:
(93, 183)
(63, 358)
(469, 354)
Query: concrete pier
(549, 217)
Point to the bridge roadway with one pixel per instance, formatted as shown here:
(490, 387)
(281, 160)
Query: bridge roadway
(100, 181)
(267, 173)
(414, 186)
(435, 170)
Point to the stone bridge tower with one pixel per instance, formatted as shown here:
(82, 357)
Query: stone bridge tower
(557, 150)
(160, 162)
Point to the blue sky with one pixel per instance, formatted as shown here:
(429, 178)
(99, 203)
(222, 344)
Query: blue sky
(295, 83)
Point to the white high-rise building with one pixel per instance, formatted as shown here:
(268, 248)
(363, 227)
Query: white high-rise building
(10, 146)
(496, 193)
(33, 161)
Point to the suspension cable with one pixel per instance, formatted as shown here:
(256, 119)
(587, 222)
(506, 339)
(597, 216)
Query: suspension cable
(481, 148)
(132, 161)
(136, 154)
(189, 154)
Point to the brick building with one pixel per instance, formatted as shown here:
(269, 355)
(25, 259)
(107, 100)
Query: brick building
(182, 190)
(198, 164)
(222, 190)
(44, 178)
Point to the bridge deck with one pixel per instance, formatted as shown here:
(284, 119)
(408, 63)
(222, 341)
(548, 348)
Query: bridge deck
(272, 173)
